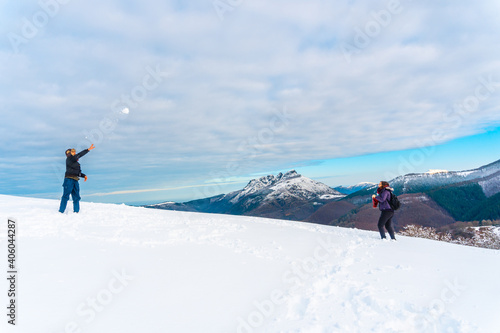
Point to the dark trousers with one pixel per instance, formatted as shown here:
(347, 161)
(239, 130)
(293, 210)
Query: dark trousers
(385, 220)
(70, 186)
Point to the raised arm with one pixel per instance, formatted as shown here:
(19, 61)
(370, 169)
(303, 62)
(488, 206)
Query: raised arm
(85, 151)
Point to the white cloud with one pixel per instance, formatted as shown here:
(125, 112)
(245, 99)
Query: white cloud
(228, 78)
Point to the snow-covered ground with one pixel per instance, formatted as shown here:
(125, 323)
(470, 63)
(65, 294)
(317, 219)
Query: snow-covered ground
(114, 268)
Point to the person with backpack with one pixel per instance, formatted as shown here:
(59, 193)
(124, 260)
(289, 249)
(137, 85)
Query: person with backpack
(71, 178)
(383, 199)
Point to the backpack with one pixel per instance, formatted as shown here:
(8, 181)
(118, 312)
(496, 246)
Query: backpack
(394, 202)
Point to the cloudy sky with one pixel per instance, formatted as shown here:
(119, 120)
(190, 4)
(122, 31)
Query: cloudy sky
(191, 99)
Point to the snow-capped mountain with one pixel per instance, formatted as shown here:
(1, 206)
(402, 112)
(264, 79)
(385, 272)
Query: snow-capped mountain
(488, 177)
(418, 182)
(289, 196)
(354, 188)
(284, 186)
(295, 197)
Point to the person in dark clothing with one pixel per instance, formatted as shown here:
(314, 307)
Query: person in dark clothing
(71, 178)
(382, 200)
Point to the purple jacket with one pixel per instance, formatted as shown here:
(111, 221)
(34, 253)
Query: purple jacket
(383, 199)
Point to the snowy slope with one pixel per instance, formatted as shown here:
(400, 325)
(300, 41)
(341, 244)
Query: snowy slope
(114, 268)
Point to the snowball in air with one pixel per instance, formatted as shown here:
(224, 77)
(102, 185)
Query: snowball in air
(125, 110)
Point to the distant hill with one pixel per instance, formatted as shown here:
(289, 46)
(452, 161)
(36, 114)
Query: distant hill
(488, 209)
(459, 199)
(354, 188)
(433, 198)
(416, 209)
(422, 182)
(329, 213)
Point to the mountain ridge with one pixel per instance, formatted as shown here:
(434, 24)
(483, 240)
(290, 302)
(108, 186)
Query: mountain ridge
(448, 191)
(292, 196)
(288, 196)
(354, 188)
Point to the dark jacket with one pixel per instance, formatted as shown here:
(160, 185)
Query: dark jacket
(73, 169)
(383, 199)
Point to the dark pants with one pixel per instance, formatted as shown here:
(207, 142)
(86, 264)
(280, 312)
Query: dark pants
(385, 220)
(70, 186)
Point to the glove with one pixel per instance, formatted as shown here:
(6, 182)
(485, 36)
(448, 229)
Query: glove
(91, 147)
(85, 179)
